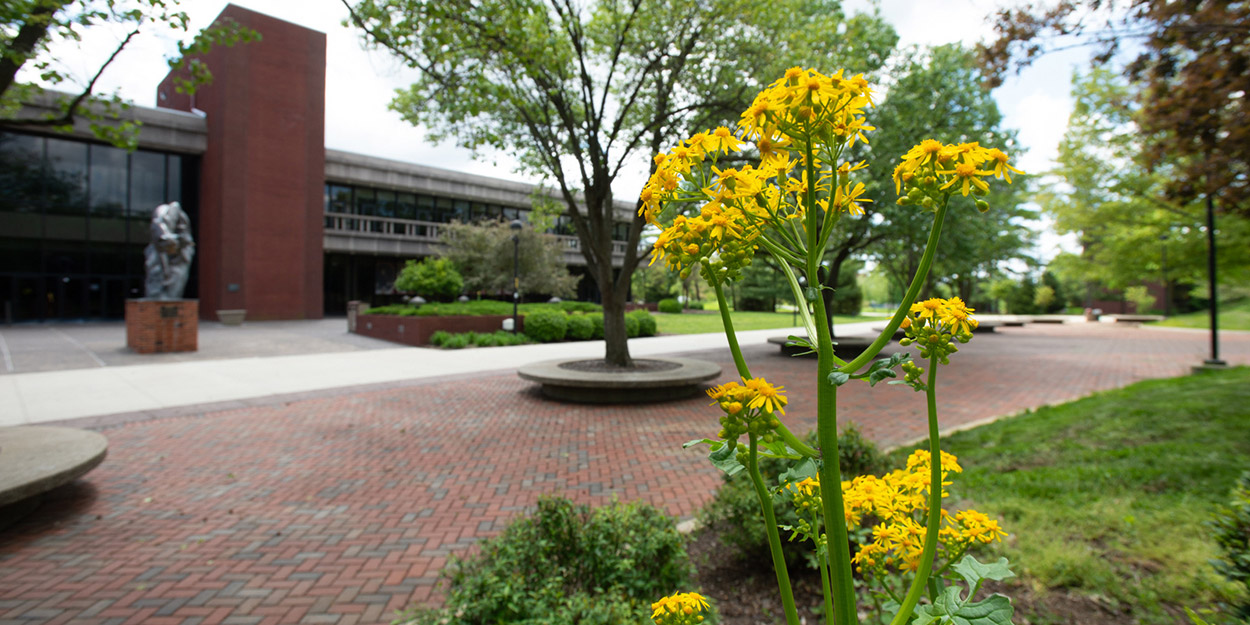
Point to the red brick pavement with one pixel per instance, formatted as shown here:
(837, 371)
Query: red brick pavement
(342, 509)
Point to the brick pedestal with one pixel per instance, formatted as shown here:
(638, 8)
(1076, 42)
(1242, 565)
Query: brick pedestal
(156, 326)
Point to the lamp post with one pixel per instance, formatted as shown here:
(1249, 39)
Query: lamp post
(516, 263)
(1214, 360)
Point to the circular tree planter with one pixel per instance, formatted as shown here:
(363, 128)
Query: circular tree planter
(596, 382)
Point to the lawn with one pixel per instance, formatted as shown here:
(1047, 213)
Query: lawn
(1232, 316)
(708, 321)
(1106, 497)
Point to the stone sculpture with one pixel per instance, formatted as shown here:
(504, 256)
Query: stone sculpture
(168, 256)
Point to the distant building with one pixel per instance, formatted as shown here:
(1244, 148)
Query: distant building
(284, 228)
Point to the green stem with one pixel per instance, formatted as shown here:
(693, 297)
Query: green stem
(935, 505)
(917, 281)
(825, 582)
(774, 538)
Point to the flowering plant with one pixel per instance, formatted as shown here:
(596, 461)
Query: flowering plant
(717, 218)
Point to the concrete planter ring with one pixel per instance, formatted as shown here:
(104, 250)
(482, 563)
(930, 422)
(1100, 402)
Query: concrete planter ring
(594, 382)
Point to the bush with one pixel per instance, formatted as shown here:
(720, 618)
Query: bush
(458, 341)
(568, 564)
(580, 307)
(435, 278)
(646, 322)
(735, 511)
(1232, 533)
(632, 326)
(669, 305)
(597, 320)
(483, 339)
(439, 338)
(581, 328)
(546, 326)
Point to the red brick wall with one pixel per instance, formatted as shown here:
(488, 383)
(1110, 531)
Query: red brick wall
(262, 177)
(416, 331)
(154, 326)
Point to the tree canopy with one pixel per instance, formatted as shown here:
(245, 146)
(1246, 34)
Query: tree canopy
(580, 93)
(29, 27)
(1191, 70)
(484, 253)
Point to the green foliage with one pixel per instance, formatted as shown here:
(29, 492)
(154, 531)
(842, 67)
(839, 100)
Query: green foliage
(439, 338)
(1233, 315)
(645, 320)
(1231, 527)
(475, 308)
(458, 341)
(669, 305)
(956, 608)
(484, 252)
(28, 27)
(435, 278)
(653, 283)
(1140, 297)
(597, 320)
(848, 298)
(581, 328)
(546, 326)
(568, 564)
(1107, 495)
(632, 326)
(735, 510)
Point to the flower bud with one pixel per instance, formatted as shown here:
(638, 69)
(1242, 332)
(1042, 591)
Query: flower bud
(927, 202)
(983, 206)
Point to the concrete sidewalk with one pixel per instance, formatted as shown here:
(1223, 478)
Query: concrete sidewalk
(46, 396)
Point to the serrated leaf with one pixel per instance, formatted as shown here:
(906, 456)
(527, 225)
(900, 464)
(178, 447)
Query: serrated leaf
(879, 375)
(800, 471)
(725, 458)
(950, 609)
(702, 441)
(837, 378)
(974, 572)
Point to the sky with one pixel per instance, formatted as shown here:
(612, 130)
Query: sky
(360, 83)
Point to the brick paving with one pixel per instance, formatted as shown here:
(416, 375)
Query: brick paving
(342, 509)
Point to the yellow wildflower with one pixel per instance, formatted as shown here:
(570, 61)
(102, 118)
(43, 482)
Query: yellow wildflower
(766, 396)
(684, 608)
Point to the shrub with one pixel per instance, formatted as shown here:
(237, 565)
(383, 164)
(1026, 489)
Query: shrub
(1232, 533)
(581, 328)
(632, 326)
(546, 326)
(580, 307)
(484, 339)
(435, 278)
(597, 320)
(669, 305)
(457, 341)
(736, 512)
(439, 338)
(568, 564)
(646, 322)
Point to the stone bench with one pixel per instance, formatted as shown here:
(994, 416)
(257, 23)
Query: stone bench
(35, 459)
(657, 379)
(846, 348)
(1135, 318)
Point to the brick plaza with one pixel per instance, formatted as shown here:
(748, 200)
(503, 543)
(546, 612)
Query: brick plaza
(342, 508)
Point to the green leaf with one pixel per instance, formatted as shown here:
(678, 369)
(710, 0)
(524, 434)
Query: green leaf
(799, 471)
(725, 458)
(974, 572)
(837, 378)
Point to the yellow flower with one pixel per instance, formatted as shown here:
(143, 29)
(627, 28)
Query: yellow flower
(1001, 168)
(848, 199)
(927, 309)
(966, 175)
(766, 396)
(957, 317)
(721, 140)
(684, 608)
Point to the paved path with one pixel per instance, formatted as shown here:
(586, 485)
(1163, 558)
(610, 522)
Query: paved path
(342, 508)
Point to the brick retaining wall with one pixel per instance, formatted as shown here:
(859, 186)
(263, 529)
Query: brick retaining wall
(416, 331)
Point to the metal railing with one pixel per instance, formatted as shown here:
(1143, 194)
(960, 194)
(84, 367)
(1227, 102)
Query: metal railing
(424, 231)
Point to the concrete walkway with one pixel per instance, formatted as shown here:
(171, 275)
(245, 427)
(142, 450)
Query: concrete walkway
(98, 376)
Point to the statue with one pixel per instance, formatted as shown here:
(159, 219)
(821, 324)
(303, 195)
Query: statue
(168, 256)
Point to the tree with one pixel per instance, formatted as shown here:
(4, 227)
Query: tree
(580, 93)
(1117, 203)
(1191, 70)
(435, 278)
(484, 253)
(29, 27)
(938, 96)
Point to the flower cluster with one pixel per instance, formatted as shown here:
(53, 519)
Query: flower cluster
(894, 506)
(749, 407)
(809, 107)
(932, 324)
(932, 169)
(684, 608)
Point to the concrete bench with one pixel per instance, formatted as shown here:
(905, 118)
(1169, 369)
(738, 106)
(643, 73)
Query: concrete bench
(35, 459)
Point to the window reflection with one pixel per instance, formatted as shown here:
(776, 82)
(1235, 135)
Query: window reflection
(65, 178)
(108, 179)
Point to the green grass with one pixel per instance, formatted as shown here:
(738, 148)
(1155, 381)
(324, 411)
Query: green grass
(1232, 316)
(1108, 495)
(702, 323)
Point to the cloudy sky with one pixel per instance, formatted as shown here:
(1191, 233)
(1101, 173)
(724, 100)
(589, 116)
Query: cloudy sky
(360, 83)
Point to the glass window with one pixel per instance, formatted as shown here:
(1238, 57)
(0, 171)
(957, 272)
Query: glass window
(338, 198)
(510, 213)
(425, 208)
(461, 211)
(406, 206)
(443, 210)
(173, 183)
(366, 202)
(21, 172)
(65, 184)
(147, 182)
(386, 203)
(108, 179)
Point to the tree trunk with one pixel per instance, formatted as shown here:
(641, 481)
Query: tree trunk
(615, 339)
